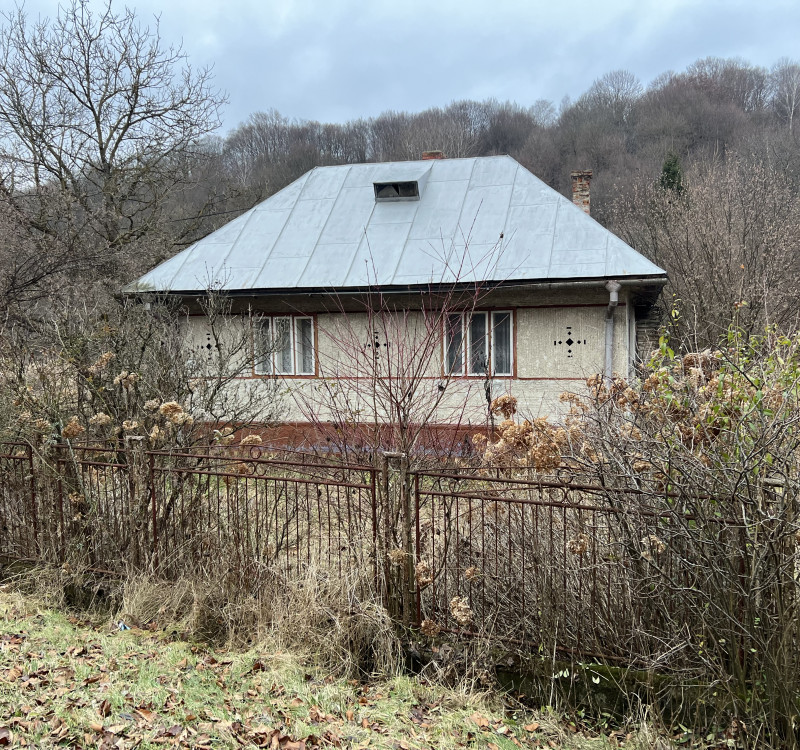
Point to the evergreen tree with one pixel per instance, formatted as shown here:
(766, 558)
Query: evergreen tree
(672, 174)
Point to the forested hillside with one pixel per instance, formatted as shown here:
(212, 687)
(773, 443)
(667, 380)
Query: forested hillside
(619, 128)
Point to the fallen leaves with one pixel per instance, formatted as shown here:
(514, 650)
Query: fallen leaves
(481, 721)
(145, 714)
(70, 684)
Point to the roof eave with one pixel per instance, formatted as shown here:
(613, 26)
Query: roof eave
(658, 280)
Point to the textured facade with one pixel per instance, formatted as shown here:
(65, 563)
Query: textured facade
(556, 347)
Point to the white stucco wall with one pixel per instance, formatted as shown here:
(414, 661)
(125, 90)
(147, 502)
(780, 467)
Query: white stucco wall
(546, 365)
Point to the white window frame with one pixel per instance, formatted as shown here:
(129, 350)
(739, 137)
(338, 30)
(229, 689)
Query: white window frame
(271, 367)
(466, 344)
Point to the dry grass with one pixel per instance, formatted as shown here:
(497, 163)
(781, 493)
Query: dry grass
(327, 619)
(68, 682)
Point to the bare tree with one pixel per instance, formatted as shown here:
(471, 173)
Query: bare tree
(616, 92)
(729, 242)
(387, 381)
(785, 80)
(731, 80)
(99, 121)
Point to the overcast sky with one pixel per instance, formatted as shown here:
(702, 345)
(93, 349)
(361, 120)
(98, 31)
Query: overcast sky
(334, 60)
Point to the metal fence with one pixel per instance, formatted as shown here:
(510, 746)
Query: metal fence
(253, 513)
(241, 511)
(540, 563)
(19, 517)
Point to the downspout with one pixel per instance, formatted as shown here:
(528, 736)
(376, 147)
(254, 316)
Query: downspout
(613, 300)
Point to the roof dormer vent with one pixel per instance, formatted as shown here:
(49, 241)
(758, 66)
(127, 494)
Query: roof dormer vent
(396, 191)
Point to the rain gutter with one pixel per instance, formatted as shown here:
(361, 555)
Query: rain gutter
(613, 288)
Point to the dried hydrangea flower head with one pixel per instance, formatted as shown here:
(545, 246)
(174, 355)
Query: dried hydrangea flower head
(579, 545)
(174, 414)
(505, 405)
(101, 363)
(169, 409)
(396, 557)
(72, 429)
(424, 574)
(460, 610)
(126, 379)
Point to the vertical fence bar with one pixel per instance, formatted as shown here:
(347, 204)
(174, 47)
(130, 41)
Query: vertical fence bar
(408, 567)
(374, 503)
(153, 512)
(60, 496)
(523, 539)
(418, 551)
(34, 515)
(384, 547)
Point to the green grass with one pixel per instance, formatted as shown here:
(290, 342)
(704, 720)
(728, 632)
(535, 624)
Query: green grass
(69, 682)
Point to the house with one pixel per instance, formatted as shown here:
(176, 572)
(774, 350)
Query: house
(532, 295)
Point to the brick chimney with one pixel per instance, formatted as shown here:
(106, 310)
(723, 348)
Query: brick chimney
(580, 188)
(426, 155)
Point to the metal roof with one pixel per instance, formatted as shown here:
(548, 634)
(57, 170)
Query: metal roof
(478, 219)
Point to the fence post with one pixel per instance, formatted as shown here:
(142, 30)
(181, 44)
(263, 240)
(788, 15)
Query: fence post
(34, 516)
(417, 550)
(408, 543)
(397, 509)
(383, 547)
(152, 482)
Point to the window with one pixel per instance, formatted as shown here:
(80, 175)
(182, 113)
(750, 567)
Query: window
(285, 346)
(454, 342)
(501, 343)
(477, 344)
(480, 340)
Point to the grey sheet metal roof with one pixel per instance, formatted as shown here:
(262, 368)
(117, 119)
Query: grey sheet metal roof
(479, 219)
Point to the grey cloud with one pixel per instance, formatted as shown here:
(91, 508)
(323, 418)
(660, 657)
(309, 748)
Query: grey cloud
(336, 61)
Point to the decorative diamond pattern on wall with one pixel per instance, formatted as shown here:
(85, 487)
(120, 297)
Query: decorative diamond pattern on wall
(569, 342)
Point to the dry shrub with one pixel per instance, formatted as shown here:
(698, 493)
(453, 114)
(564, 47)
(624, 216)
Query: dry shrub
(158, 603)
(344, 631)
(322, 616)
(60, 384)
(43, 583)
(539, 445)
(467, 666)
(64, 587)
(206, 609)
